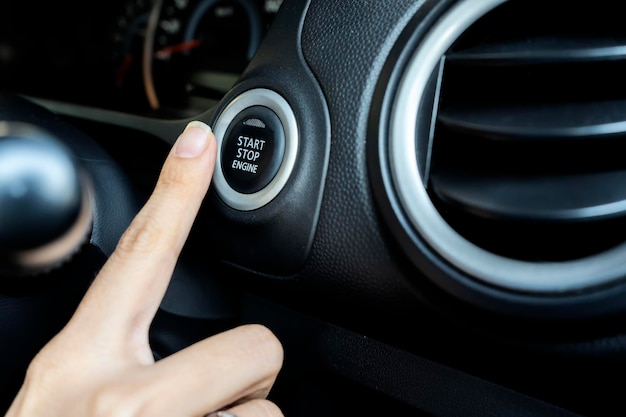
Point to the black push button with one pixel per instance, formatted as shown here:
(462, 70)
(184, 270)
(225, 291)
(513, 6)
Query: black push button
(252, 149)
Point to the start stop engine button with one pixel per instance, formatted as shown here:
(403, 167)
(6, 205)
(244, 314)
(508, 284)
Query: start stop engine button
(257, 137)
(252, 149)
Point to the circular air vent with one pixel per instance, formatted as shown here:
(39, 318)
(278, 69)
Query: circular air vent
(505, 152)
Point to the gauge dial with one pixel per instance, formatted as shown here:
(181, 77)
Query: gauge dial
(183, 55)
(201, 47)
(128, 42)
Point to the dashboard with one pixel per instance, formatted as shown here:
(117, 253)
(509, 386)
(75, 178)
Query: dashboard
(166, 58)
(423, 199)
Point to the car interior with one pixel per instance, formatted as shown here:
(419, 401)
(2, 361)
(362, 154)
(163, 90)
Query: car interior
(420, 198)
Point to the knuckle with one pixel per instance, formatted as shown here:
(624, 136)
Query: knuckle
(173, 178)
(36, 370)
(141, 237)
(44, 366)
(262, 408)
(268, 409)
(266, 344)
(116, 399)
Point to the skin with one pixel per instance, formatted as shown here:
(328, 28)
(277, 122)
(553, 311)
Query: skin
(101, 364)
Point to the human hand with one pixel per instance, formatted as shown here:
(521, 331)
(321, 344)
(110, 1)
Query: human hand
(101, 364)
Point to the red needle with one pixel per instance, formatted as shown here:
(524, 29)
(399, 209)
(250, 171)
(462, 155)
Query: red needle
(167, 51)
(123, 70)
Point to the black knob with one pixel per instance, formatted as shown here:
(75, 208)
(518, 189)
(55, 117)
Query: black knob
(45, 212)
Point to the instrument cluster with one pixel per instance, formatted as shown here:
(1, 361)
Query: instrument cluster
(164, 58)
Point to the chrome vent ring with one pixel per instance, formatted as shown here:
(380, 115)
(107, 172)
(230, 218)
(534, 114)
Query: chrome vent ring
(456, 158)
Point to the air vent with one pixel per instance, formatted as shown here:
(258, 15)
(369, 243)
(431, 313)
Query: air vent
(506, 147)
(530, 135)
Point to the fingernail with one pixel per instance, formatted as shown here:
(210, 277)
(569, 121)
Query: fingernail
(193, 140)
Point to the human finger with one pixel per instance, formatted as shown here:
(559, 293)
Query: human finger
(252, 408)
(237, 365)
(125, 295)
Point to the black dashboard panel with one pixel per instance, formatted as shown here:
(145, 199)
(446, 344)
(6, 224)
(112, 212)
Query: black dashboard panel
(375, 315)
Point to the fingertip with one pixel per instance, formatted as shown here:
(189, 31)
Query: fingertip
(200, 124)
(193, 140)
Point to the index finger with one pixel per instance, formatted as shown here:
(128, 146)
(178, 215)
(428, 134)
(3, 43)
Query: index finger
(125, 295)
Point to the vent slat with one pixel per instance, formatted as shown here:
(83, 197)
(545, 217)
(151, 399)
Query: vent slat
(554, 121)
(542, 50)
(562, 199)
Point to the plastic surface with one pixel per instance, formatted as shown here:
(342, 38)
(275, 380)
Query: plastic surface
(276, 238)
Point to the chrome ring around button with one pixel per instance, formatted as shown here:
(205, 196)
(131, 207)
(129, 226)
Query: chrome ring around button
(276, 103)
